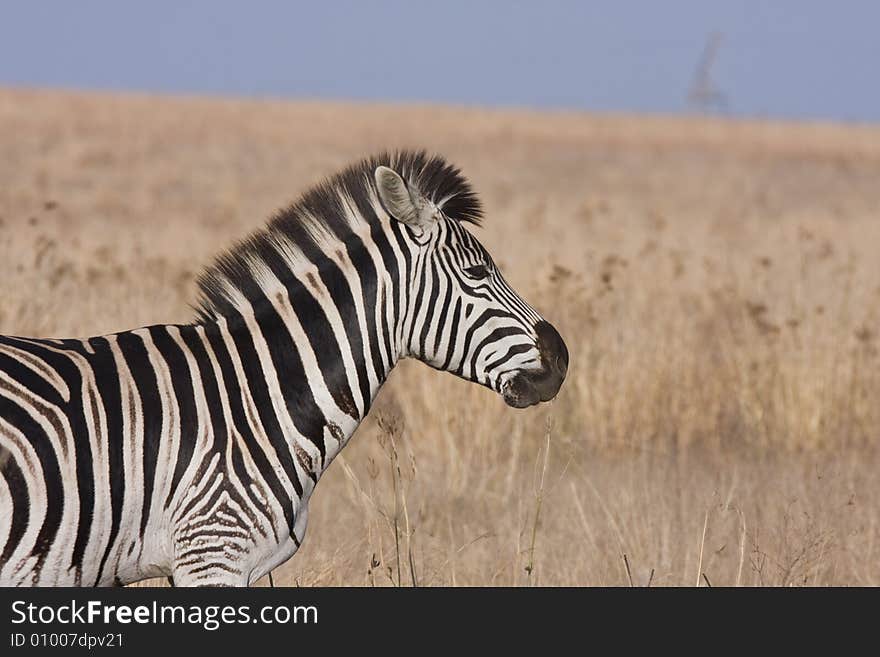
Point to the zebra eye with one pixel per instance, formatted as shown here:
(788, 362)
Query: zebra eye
(477, 271)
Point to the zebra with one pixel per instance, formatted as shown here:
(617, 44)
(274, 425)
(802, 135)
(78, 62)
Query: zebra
(190, 451)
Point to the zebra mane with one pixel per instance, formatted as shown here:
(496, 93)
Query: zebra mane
(295, 233)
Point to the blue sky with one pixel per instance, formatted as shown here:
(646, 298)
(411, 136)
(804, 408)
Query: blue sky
(786, 59)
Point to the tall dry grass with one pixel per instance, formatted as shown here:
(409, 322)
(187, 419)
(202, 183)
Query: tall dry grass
(717, 284)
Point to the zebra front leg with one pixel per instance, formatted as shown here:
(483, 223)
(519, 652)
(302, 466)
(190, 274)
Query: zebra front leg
(208, 573)
(227, 548)
(208, 555)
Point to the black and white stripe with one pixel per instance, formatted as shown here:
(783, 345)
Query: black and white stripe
(191, 451)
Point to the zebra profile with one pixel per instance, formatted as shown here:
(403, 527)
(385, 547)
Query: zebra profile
(191, 451)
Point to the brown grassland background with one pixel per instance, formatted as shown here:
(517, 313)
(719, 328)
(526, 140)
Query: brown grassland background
(717, 283)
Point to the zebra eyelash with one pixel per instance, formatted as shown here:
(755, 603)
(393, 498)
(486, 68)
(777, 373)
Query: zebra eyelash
(477, 271)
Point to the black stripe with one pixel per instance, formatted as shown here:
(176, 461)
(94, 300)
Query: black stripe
(420, 293)
(210, 387)
(430, 310)
(21, 502)
(106, 374)
(15, 415)
(25, 375)
(453, 335)
(513, 351)
(366, 269)
(403, 246)
(444, 311)
(495, 336)
(185, 402)
(135, 353)
(390, 265)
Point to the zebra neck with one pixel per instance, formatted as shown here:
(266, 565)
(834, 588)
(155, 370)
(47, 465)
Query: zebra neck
(315, 363)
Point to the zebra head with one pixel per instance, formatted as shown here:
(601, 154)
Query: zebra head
(463, 317)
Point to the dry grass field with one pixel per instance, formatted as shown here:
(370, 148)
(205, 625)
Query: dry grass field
(717, 282)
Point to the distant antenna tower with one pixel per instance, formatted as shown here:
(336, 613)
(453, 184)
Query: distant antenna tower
(703, 95)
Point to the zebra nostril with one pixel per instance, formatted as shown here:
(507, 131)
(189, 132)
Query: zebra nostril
(552, 347)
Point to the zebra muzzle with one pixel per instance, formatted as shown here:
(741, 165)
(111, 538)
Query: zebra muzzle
(529, 387)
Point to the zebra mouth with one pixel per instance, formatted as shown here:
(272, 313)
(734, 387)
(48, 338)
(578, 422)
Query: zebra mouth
(517, 400)
(528, 388)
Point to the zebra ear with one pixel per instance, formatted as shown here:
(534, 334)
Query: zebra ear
(404, 204)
